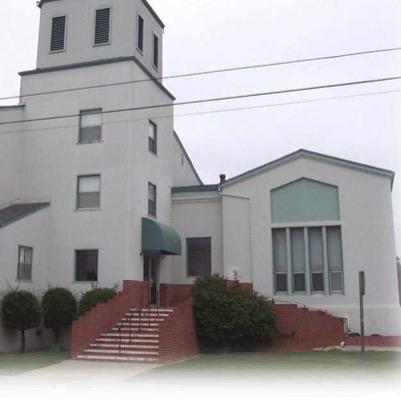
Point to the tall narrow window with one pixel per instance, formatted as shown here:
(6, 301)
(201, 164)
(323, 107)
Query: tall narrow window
(335, 258)
(199, 257)
(316, 259)
(155, 51)
(90, 129)
(24, 271)
(88, 192)
(141, 26)
(298, 259)
(152, 137)
(152, 200)
(102, 26)
(86, 265)
(57, 42)
(280, 260)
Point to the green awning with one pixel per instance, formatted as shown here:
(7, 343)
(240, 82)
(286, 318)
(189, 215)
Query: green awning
(159, 239)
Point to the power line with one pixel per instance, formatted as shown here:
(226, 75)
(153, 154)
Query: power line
(218, 99)
(245, 108)
(208, 72)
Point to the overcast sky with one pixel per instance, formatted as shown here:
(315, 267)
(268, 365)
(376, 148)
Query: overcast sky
(208, 34)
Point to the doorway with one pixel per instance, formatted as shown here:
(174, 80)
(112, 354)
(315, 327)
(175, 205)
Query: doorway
(151, 276)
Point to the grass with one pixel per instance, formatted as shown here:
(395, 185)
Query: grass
(16, 363)
(262, 366)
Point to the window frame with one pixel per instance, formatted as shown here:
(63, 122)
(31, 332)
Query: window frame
(155, 36)
(326, 273)
(90, 111)
(187, 255)
(64, 49)
(150, 184)
(155, 139)
(76, 266)
(77, 208)
(141, 51)
(25, 248)
(104, 7)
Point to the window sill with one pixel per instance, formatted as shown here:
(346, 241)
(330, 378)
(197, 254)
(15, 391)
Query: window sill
(89, 209)
(89, 143)
(23, 281)
(139, 51)
(152, 153)
(101, 44)
(57, 51)
(155, 68)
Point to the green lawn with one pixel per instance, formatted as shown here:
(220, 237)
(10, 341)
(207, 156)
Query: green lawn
(262, 366)
(13, 364)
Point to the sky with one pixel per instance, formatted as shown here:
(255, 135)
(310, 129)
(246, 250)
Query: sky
(212, 34)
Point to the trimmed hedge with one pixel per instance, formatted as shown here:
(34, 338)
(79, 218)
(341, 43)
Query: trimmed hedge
(20, 310)
(92, 297)
(59, 308)
(230, 316)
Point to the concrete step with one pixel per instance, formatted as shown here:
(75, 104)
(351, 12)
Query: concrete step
(144, 320)
(144, 323)
(137, 329)
(114, 358)
(117, 351)
(133, 335)
(146, 314)
(124, 346)
(153, 310)
(143, 341)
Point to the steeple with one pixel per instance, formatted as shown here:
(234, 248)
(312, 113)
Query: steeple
(86, 31)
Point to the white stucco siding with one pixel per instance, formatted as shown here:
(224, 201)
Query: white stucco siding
(79, 44)
(195, 217)
(367, 239)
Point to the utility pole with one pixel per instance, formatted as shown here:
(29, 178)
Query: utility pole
(362, 291)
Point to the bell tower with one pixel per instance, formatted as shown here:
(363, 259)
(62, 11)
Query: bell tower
(89, 31)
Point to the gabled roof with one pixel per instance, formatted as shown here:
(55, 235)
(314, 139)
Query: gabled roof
(145, 3)
(18, 211)
(313, 156)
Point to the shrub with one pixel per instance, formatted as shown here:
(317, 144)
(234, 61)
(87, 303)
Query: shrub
(59, 308)
(94, 296)
(230, 316)
(20, 310)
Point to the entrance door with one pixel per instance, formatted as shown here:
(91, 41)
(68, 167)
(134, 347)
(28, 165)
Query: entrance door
(151, 275)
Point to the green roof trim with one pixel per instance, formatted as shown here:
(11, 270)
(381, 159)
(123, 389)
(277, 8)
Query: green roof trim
(145, 3)
(17, 211)
(159, 239)
(177, 138)
(314, 156)
(195, 188)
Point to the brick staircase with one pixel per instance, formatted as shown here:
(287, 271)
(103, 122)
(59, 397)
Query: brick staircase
(303, 329)
(135, 338)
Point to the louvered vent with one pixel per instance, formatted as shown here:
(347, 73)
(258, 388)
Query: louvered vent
(58, 34)
(102, 30)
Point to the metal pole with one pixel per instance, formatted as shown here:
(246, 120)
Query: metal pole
(362, 291)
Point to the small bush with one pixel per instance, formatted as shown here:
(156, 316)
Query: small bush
(94, 296)
(229, 316)
(20, 310)
(59, 308)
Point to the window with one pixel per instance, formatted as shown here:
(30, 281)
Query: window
(141, 26)
(199, 256)
(311, 259)
(298, 259)
(57, 42)
(155, 51)
(102, 26)
(90, 126)
(24, 271)
(86, 265)
(88, 192)
(280, 260)
(152, 137)
(334, 258)
(152, 200)
(316, 259)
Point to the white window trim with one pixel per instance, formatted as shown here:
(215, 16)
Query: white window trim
(156, 67)
(137, 34)
(88, 209)
(65, 34)
(94, 44)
